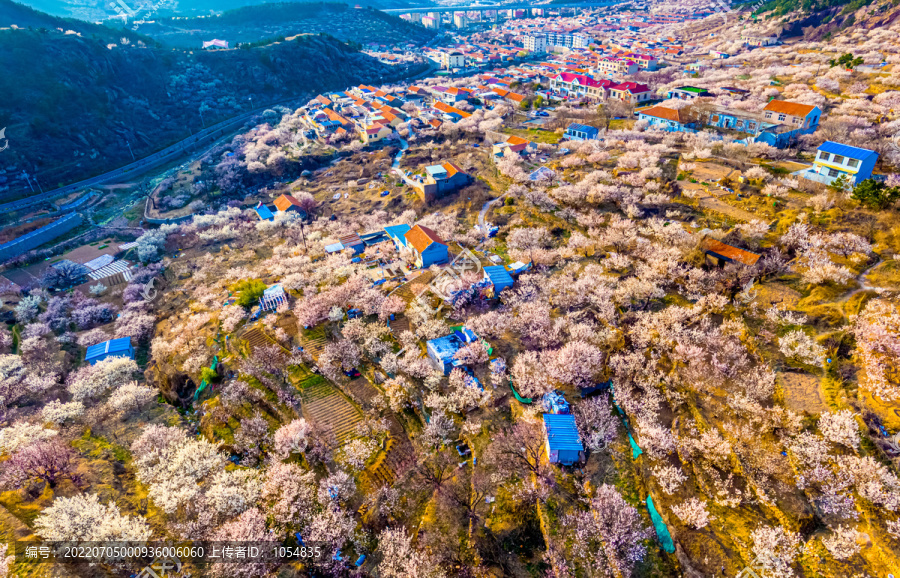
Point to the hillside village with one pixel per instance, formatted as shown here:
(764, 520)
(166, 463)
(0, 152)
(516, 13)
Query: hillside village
(612, 293)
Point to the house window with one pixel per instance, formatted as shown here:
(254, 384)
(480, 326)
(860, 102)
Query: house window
(823, 156)
(751, 126)
(795, 120)
(781, 117)
(833, 172)
(853, 163)
(768, 115)
(740, 124)
(838, 160)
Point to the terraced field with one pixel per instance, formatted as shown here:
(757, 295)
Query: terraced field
(326, 406)
(410, 290)
(313, 342)
(399, 325)
(398, 457)
(255, 337)
(362, 390)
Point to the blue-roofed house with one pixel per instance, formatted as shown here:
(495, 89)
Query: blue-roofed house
(562, 440)
(120, 347)
(264, 213)
(577, 131)
(836, 159)
(396, 233)
(498, 277)
(441, 351)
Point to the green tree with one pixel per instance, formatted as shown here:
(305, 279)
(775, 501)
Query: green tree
(840, 184)
(209, 375)
(846, 60)
(875, 194)
(249, 291)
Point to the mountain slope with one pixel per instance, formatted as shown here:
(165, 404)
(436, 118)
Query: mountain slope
(72, 105)
(256, 23)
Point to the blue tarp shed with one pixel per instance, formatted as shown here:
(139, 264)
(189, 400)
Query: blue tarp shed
(499, 277)
(554, 402)
(334, 248)
(563, 442)
(120, 347)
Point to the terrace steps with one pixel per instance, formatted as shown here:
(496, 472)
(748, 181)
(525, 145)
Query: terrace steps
(325, 405)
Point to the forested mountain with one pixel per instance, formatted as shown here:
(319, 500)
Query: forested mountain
(284, 19)
(73, 102)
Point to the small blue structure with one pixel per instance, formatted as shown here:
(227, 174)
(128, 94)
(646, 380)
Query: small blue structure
(442, 350)
(334, 248)
(562, 439)
(396, 233)
(370, 239)
(120, 347)
(264, 213)
(519, 267)
(360, 560)
(577, 131)
(499, 277)
(554, 402)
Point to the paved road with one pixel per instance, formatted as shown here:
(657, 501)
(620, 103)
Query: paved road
(205, 136)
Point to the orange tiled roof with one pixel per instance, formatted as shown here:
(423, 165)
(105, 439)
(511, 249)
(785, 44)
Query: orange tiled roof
(284, 202)
(791, 108)
(421, 237)
(666, 113)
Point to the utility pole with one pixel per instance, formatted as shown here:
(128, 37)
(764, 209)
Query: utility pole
(200, 110)
(38, 184)
(250, 98)
(131, 151)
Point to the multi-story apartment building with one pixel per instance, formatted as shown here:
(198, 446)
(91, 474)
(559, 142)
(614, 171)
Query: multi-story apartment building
(537, 43)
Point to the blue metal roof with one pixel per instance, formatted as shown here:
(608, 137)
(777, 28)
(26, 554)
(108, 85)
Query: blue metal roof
(445, 347)
(499, 276)
(264, 213)
(334, 248)
(561, 432)
(112, 346)
(846, 150)
(583, 128)
(397, 232)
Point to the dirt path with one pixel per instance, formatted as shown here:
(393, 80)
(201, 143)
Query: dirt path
(862, 279)
(714, 204)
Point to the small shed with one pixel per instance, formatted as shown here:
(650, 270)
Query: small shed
(719, 253)
(563, 442)
(519, 267)
(263, 212)
(120, 347)
(499, 277)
